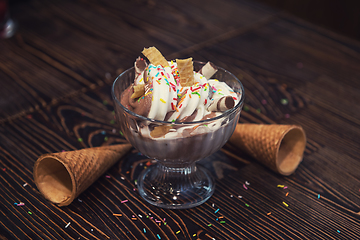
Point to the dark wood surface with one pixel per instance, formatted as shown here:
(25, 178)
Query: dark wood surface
(55, 77)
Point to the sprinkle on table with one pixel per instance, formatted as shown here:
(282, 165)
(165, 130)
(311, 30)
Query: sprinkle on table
(222, 222)
(269, 213)
(245, 186)
(284, 101)
(67, 225)
(280, 186)
(247, 205)
(124, 201)
(117, 214)
(158, 236)
(217, 210)
(286, 205)
(286, 194)
(338, 231)
(178, 232)
(25, 184)
(80, 139)
(318, 196)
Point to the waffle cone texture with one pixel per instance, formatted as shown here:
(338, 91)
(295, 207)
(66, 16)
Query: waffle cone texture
(63, 176)
(279, 147)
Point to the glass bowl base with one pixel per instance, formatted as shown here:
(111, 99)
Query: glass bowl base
(176, 187)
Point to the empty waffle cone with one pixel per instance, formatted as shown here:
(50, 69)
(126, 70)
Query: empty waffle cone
(279, 147)
(61, 177)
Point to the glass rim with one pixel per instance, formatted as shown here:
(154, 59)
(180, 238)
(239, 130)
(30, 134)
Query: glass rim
(224, 114)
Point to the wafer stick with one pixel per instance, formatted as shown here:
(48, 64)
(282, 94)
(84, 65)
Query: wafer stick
(208, 70)
(221, 104)
(139, 90)
(155, 57)
(186, 72)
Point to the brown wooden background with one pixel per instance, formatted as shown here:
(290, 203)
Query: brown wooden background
(55, 78)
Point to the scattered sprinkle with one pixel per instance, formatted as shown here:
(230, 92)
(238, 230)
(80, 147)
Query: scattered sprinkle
(178, 232)
(217, 210)
(338, 231)
(280, 186)
(318, 196)
(107, 176)
(158, 236)
(231, 195)
(209, 225)
(247, 183)
(67, 224)
(121, 133)
(80, 139)
(247, 205)
(239, 196)
(29, 212)
(79, 200)
(134, 219)
(124, 201)
(284, 101)
(245, 186)
(194, 235)
(268, 213)
(25, 184)
(213, 205)
(144, 230)
(103, 132)
(286, 194)
(286, 205)
(285, 187)
(20, 204)
(117, 214)
(222, 222)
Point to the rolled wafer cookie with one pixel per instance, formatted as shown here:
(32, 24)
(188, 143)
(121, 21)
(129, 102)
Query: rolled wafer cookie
(61, 177)
(155, 57)
(186, 72)
(208, 70)
(221, 104)
(279, 147)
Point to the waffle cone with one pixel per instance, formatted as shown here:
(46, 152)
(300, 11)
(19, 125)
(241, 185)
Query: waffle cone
(279, 147)
(61, 177)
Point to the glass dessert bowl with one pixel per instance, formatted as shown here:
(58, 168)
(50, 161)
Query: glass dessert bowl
(176, 181)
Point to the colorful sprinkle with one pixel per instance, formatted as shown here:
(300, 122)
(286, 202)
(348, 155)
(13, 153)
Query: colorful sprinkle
(268, 213)
(222, 222)
(25, 184)
(286, 205)
(158, 236)
(284, 101)
(217, 210)
(280, 186)
(117, 214)
(67, 224)
(338, 231)
(318, 196)
(194, 235)
(124, 201)
(80, 139)
(29, 212)
(285, 187)
(121, 133)
(209, 225)
(162, 100)
(286, 194)
(247, 205)
(178, 232)
(245, 187)
(144, 230)
(20, 204)
(107, 176)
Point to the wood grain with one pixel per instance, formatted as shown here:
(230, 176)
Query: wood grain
(56, 76)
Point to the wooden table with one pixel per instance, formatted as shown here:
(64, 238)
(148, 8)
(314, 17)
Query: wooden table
(56, 74)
